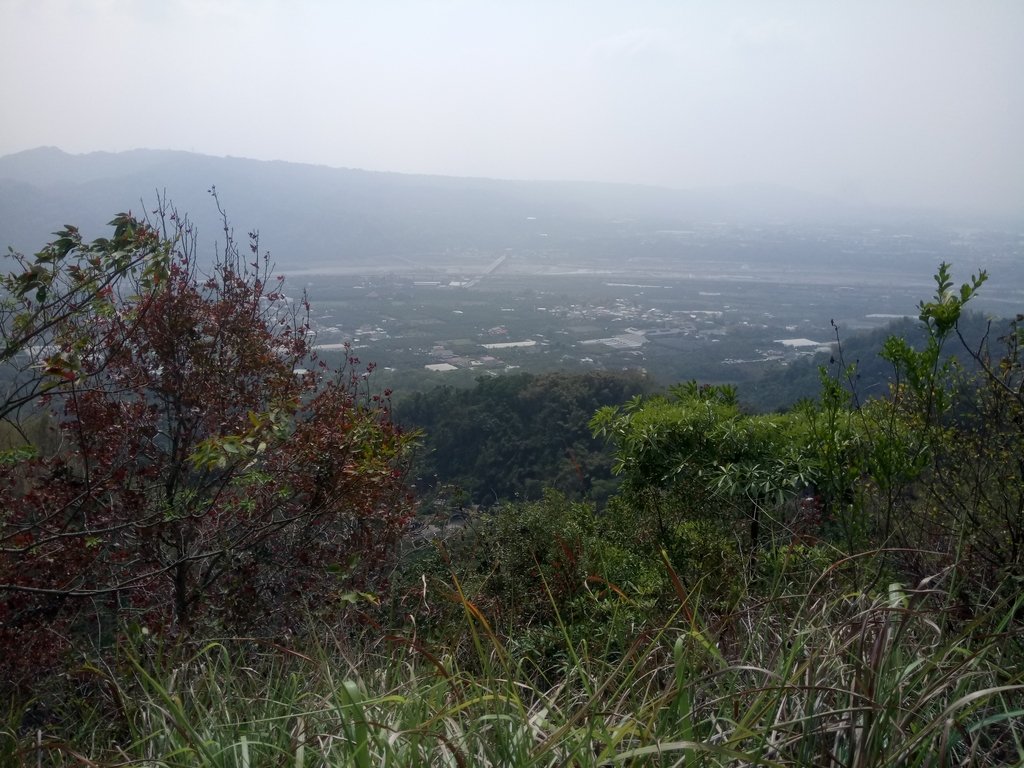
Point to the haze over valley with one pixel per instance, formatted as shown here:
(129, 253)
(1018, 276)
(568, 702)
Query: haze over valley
(442, 279)
(694, 182)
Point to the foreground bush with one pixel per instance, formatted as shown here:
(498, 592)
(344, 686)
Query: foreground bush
(210, 475)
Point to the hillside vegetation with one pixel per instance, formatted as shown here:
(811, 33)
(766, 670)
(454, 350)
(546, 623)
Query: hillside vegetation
(517, 435)
(210, 553)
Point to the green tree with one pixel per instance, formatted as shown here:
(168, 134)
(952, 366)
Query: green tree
(965, 428)
(694, 453)
(513, 436)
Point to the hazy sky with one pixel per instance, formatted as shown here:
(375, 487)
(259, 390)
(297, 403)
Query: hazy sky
(894, 101)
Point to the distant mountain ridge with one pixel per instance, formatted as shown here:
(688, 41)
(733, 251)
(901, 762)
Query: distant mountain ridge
(316, 216)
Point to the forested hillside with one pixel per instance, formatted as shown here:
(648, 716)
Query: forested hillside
(209, 553)
(515, 436)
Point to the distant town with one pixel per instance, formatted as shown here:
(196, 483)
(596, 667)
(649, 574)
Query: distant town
(725, 315)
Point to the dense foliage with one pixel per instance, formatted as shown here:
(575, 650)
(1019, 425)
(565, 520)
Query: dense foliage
(513, 436)
(204, 479)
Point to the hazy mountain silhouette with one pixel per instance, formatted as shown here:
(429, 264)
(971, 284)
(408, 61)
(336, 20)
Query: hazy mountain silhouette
(313, 216)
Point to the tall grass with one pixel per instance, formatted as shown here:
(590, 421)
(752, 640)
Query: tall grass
(805, 677)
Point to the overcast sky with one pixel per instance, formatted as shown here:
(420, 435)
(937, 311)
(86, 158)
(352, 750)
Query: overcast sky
(915, 103)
